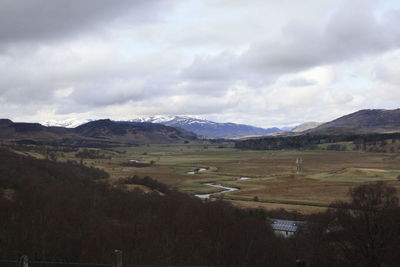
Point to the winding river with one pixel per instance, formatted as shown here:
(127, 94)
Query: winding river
(226, 190)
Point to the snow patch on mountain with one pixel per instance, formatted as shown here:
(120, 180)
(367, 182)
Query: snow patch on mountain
(165, 119)
(203, 127)
(68, 123)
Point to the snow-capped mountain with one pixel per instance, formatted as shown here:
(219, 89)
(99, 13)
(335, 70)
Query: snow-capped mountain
(174, 119)
(207, 128)
(68, 123)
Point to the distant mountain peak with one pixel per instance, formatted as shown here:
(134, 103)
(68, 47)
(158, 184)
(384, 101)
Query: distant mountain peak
(164, 119)
(67, 123)
(207, 128)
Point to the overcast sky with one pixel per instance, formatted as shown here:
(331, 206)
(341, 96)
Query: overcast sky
(260, 62)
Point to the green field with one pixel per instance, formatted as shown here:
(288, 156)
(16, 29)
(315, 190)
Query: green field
(325, 176)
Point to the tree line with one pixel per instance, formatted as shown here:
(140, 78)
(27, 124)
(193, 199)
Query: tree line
(375, 142)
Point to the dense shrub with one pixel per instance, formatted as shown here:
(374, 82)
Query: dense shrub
(362, 232)
(91, 154)
(61, 212)
(146, 181)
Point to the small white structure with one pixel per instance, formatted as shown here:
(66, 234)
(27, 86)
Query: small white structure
(197, 171)
(286, 228)
(134, 161)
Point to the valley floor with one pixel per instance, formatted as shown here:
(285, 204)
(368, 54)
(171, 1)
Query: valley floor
(266, 179)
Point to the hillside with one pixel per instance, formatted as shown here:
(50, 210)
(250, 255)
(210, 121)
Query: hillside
(209, 128)
(365, 130)
(96, 133)
(10, 130)
(129, 132)
(306, 126)
(363, 121)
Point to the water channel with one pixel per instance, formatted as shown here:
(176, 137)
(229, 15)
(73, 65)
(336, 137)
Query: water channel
(225, 189)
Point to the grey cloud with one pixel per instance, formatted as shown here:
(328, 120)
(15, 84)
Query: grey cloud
(58, 63)
(205, 87)
(221, 67)
(340, 98)
(103, 93)
(28, 94)
(348, 34)
(76, 85)
(301, 82)
(387, 69)
(32, 20)
(211, 75)
(97, 94)
(100, 94)
(185, 104)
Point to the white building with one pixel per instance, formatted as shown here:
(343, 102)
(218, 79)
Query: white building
(286, 228)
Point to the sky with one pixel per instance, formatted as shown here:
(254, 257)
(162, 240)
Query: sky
(259, 62)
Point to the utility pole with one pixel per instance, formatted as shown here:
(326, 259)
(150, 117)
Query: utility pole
(299, 163)
(117, 258)
(23, 261)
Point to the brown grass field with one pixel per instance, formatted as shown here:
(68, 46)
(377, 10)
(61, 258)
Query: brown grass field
(325, 176)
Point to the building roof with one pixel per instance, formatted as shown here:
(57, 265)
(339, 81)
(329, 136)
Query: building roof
(286, 225)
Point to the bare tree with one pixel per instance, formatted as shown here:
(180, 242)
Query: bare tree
(367, 227)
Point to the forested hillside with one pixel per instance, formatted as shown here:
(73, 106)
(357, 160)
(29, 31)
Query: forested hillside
(66, 212)
(99, 133)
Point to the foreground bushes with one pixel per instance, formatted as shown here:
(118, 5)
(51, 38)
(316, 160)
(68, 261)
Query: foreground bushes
(363, 232)
(63, 212)
(59, 212)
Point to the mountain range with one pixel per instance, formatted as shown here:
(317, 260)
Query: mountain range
(94, 133)
(201, 127)
(178, 129)
(206, 128)
(68, 123)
